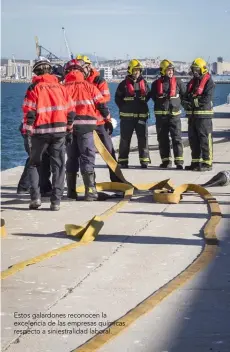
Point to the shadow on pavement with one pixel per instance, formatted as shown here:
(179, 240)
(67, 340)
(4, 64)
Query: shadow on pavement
(122, 238)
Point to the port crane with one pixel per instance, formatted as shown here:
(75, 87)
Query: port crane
(41, 51)
(70, 54)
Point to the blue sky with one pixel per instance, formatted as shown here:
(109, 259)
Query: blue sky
(174, 29)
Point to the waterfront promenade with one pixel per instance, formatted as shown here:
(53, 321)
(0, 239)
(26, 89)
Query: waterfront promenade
(139, 249)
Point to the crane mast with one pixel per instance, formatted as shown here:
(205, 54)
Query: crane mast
(70, 54)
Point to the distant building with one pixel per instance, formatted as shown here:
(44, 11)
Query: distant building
(106, 72)
(220, 59)
(19, 69)
(220, 67)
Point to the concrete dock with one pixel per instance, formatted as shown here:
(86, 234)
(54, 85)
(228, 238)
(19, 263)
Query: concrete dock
(59, 303)
(222, 111)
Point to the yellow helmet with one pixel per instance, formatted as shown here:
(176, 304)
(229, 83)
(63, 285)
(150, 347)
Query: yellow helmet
(201, 64)
(84, 58)
(134, 64)
(164, 65)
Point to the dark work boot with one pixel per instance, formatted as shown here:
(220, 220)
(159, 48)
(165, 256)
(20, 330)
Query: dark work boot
(205, 167)
(193, 167)
(71, 179)
(90, 186)
(166, 165)
(144, 165)
(54, 207)
(35, 204)
(123, 166)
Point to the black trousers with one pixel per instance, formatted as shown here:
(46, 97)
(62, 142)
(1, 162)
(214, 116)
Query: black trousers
(200, 139)
(107, 141)
(127, 127)
(165, 126)
(55, 146)
(44, 172)
(81, 153)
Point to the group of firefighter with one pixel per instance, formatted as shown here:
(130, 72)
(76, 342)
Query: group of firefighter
(64, 105)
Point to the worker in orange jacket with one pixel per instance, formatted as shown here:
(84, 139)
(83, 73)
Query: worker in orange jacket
(44, 169)
(104, 127)
(48, 119)
(88, 102)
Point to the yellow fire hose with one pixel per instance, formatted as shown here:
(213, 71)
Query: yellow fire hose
(163, 192)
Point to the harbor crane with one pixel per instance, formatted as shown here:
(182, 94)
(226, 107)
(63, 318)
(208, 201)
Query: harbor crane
(70, 54)
(41, 51)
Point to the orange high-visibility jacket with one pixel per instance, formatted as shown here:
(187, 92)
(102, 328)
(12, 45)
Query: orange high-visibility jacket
(87, 100)
(47, 107)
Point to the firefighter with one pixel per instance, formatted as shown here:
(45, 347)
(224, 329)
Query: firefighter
(131, 97)
(48, 118)
(104, 127)
(199, 110)
(166, 93)
(87, 99)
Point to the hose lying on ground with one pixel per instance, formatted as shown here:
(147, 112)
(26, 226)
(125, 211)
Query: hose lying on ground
(221, 179)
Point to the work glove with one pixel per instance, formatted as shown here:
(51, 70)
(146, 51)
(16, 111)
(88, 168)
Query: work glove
(114, 123)
(187, 104)
(68, 138)
(109, 127)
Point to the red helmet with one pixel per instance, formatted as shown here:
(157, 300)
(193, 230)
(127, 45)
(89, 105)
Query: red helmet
(74, 65)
